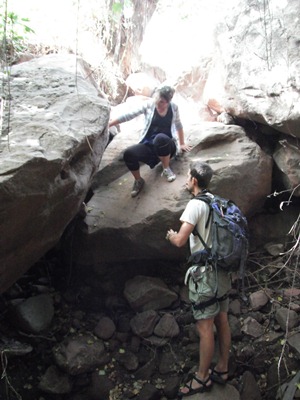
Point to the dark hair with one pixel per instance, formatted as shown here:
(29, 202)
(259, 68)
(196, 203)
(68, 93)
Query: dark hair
(166, 92)
(202, 172)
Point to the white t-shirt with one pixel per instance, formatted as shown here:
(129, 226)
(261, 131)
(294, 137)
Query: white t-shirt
(197, 214)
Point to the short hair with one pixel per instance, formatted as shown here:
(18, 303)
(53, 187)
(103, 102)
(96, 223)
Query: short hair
(166, 92)
(202, 172)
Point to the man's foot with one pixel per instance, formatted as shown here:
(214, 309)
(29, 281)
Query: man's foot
(219, 377)
(195, 385)
(137, 187)
(169, 174)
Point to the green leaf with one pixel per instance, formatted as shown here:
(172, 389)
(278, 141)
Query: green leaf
(14, 31)
(28, 30)
(117, 8)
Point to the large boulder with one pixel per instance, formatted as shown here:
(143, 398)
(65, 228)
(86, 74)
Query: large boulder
(287, 159)
(120, 228)
(255, 74)
(54, 134)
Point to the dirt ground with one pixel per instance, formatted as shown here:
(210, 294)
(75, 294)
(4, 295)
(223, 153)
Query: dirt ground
(79, 302)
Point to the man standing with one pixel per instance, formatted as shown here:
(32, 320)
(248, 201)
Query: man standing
(196, 215)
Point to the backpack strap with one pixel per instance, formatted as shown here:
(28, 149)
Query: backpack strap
(210, 302)
(196, 233)
(202, 306)
(207, 199)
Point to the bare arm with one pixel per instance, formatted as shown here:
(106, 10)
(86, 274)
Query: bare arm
(182, 145)
(127, 116)
(179, 129)
(180, 238)
(113, 122)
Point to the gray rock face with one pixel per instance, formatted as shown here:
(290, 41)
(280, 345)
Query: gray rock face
(34, 314)
(80, 354)
(55, 132)
(256, 65)
(250, 389)
(167, 327)
(252, 327)
(287, 158)
(145, 293)
(54, 381)
(286, 318)
(294, 342)
(258, 299)
(143, 323)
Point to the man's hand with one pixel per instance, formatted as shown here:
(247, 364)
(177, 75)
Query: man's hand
(170, 233)
(185, 147)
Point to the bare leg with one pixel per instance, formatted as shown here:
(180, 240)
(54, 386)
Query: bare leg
(165, 160)
(224, 339)
(136, 174)
(205, 329)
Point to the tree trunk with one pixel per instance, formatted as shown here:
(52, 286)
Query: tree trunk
(127, 34)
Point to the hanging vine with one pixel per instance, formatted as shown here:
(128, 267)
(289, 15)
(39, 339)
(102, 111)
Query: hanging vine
(5, 72)
(12, 44)
(267, 20)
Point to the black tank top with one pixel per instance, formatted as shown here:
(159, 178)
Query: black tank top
(159, 124)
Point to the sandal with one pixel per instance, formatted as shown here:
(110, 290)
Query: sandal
(216, 376)
(203, 388)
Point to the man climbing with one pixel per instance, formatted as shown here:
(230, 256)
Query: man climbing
(161, 138)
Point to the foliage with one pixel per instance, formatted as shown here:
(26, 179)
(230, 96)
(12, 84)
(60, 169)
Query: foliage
(13, 31)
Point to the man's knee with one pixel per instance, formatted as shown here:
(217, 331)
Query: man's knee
(221, 319)
(161, 139)
(130, 158)
(205, 326)
(164, 145)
